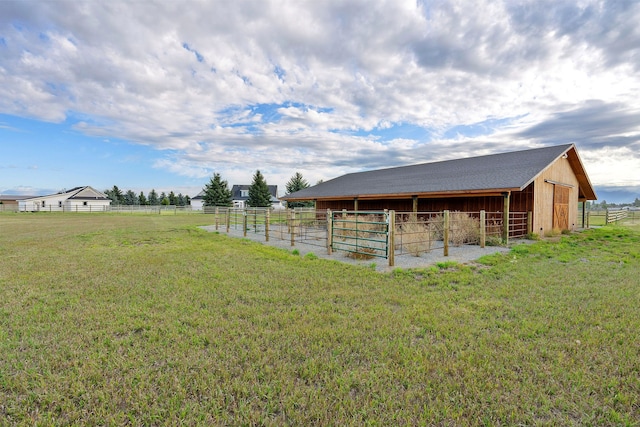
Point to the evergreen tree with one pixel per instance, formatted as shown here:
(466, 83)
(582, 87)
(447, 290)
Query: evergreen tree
(636, 202)
(187, 200)
(180, 200)
(115, 194)
(216, 192)
(259, 195)
(130, 198)
(297, 183)
(164, 201)
(142, 200)
(153, 198)
(173, 200)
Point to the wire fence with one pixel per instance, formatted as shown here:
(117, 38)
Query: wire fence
(372, 234)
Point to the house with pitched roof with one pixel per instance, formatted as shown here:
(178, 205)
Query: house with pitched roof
(197, 201)
(546, 183)
(240, 195)
(78, 199)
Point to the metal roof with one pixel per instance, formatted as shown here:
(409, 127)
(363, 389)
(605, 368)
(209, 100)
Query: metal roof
(497, 172)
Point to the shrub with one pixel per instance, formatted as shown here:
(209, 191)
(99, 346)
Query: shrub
(463, 228)
(415, 236)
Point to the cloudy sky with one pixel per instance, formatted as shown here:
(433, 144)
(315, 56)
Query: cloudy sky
(163, 94)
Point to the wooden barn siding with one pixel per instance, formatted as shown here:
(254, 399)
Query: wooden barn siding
(521, 201)
(559, 171)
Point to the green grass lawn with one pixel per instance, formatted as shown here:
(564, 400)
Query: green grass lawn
(145, 320)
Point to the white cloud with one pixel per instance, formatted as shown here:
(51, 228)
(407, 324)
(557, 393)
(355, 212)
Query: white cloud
(188, 77)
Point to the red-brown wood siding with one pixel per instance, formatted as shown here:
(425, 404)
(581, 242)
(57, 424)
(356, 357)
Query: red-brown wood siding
(521, 201)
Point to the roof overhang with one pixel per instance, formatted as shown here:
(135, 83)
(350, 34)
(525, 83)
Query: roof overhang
(424, 195)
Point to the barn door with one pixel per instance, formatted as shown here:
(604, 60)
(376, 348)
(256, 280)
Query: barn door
(560, 207)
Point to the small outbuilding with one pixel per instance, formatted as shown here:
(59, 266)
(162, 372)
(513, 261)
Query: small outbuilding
(78, 199)
(545, 183)
(9, 203)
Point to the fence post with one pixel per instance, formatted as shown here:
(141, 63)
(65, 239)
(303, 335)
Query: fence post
(445, 232)
(588, 218)
(505, 217)
(266, 224)
(606, 216)
(228, 219)
(215, 217)
(293, 228)
(530, 222)
(483, 228)
(244, 222)
(391, 246)
(329, 232)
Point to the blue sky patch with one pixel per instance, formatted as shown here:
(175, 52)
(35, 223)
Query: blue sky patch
(199, 57)
(486, 127)
(280, 73)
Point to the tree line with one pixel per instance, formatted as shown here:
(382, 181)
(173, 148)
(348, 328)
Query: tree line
(130, 198)
(217, 192)
(604, 205)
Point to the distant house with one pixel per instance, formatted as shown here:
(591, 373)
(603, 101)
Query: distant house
(240, 195)
(9, 203)
(546, 183)
(197, 202)
(78, 199)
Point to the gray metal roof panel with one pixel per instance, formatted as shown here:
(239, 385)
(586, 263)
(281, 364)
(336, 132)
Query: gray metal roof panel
(497, 171)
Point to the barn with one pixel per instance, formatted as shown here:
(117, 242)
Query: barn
(545, 183)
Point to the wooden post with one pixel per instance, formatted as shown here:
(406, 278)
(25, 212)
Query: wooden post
(445, 232)
(329, 231)
(414, 209)
(216, 219)
(266, 224)
(244, 222)
(228, 219)
(391, 245)
(529, 222)
(293, 228)
(355, 204)
(588, 218)
(505, 217)
(483, 228)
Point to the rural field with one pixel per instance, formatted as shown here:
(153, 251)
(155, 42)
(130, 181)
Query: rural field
(148, 320)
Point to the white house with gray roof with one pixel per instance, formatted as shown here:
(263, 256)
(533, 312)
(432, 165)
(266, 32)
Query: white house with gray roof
(78, 199)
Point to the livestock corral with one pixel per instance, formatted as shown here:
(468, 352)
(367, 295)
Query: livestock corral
(373, 234)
